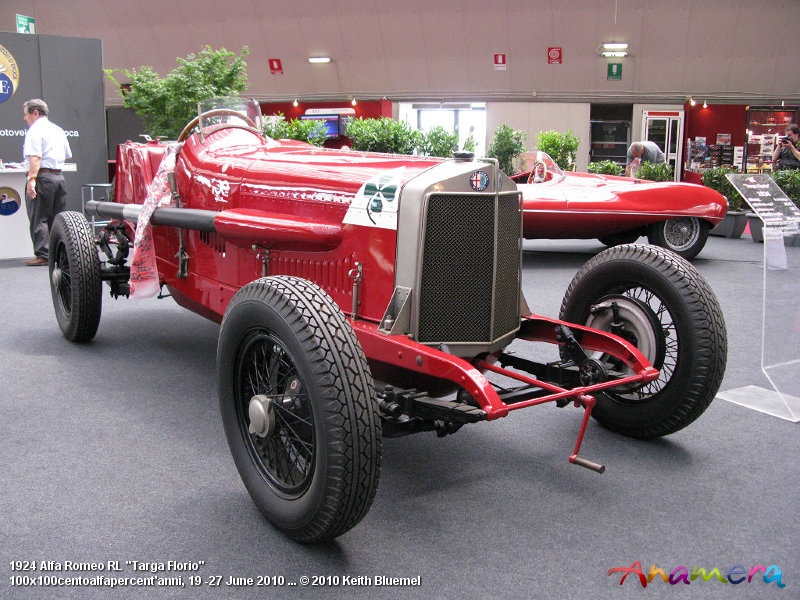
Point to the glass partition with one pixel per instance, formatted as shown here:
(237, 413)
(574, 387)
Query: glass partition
(780, 314)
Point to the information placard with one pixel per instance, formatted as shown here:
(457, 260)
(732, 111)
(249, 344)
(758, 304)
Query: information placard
(767, 200)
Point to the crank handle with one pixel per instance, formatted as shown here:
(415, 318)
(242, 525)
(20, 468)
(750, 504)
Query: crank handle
(582, 462)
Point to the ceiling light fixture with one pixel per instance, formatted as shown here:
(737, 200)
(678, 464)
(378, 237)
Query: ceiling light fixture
(295, 103)
(319, 60)
(613, 50)
(705, 104)
(692, 101)
(353, 101)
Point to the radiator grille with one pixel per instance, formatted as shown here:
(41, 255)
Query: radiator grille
(469, 282)
(508, 279)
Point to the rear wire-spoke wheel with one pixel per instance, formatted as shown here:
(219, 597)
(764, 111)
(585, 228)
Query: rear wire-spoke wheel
(299, 409)
(75, 277)
(661, 304)
(685, 236)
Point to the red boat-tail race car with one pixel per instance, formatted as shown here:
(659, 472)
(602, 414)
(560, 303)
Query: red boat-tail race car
(363, 295)
(615, 210)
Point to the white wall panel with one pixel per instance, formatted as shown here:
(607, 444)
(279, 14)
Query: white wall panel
(723, 50)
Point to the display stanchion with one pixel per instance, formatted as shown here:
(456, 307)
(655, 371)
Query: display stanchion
(780, 315)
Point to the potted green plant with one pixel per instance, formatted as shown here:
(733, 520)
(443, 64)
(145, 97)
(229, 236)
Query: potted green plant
(439, 142)
(506, 146)
(382, 135)
(735, 221)
(469, 144)
(166, 104)
(562, 147)
(311, 130)
(789, 181)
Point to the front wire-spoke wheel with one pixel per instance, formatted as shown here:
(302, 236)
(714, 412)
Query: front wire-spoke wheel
(660, 303)
(278, 417)
(299, 408)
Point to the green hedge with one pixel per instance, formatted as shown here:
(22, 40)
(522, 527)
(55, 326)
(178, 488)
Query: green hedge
(716, 180)
(656, 171)
(787, 179)
(606, 167)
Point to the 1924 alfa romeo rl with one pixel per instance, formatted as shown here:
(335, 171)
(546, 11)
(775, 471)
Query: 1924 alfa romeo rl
(363, 295)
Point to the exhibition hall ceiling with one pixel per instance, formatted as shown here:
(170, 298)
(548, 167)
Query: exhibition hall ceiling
(723, 50)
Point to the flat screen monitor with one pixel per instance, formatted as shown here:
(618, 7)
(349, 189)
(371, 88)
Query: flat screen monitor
(331, 124)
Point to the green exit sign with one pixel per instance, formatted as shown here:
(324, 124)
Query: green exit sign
(26, 24)
(614, 71)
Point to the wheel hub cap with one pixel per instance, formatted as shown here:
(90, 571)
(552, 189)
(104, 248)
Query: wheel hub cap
(55, 277)
(262, 416)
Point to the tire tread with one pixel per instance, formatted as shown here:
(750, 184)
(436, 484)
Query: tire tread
(350, 408)
(74, 231)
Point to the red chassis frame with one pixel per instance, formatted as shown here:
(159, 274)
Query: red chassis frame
(403, 353)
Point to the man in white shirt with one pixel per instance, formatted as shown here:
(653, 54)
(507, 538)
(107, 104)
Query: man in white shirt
(44, 152)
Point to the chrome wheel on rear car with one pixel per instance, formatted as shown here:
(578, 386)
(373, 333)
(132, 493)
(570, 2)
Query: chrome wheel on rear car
(685, 236)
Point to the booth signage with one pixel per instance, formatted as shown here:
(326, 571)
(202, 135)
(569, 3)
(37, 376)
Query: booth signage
(44, 66)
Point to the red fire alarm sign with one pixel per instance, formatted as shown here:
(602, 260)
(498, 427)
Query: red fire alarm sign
(499, 62)
(275, 67)
(554, 56)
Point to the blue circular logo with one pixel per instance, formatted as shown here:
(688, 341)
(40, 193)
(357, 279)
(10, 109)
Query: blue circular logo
(6, 88)
(9, 75)
(9, 201)
(479, 181)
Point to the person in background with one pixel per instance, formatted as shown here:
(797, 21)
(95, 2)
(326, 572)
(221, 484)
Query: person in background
(787, 153)
(640, 152)
(44, 152)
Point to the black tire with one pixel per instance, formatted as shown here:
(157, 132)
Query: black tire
(75, 279)
(299, 408)
(623, 237)
(686, 236)
(671, 314)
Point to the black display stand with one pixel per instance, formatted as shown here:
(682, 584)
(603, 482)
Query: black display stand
(67, 73)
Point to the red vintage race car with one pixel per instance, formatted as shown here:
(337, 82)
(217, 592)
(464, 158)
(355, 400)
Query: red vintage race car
(367, 295)
(615, 210)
